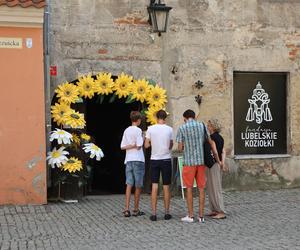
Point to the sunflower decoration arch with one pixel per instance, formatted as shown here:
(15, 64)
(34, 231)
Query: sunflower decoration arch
(70, 122)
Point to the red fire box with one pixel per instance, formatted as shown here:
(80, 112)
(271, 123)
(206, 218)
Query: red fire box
(53, 71)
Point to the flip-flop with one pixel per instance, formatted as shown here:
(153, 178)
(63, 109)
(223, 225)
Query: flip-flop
(137, 213)
(212, 214)
(219, 218)
(126, 213)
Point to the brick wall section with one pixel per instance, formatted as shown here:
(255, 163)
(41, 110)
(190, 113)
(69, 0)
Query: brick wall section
(293, 44)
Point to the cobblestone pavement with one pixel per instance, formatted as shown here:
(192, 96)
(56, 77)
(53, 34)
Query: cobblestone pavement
(255, 220)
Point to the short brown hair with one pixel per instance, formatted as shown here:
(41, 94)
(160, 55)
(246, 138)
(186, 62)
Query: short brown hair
(135, 116)
(161, 114)
(189, 114)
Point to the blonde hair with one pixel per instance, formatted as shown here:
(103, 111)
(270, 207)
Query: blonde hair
(215, 124)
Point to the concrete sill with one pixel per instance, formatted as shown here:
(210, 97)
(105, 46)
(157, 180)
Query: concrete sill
(247, 157)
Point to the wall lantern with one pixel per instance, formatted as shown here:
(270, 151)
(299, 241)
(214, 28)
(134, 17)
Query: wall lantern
(158, 16)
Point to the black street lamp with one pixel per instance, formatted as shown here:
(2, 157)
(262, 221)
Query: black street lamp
(158, 16)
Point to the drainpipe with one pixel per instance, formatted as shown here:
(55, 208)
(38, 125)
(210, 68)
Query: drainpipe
(47, 82)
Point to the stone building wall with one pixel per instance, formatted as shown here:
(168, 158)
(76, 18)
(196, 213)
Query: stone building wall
(207, 40)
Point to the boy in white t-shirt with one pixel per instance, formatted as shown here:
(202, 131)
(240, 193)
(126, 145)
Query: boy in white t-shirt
(160, 138)
(132, 142)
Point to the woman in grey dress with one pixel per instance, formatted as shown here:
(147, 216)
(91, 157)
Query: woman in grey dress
(214, 174)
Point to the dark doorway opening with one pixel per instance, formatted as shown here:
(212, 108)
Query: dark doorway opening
(106, 123)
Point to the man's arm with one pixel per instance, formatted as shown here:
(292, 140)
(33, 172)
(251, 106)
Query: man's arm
(179, 140)
(147, 143)
(129, 147)
(124, 144)
(180, 146)
(171, 144)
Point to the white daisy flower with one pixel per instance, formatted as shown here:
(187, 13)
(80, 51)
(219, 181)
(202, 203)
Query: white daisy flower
(94, 150)
(61, 136)
(57, 157)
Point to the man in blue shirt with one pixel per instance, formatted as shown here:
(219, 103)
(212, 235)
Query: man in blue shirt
(190, 138)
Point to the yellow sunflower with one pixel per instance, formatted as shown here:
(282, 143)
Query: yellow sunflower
(122, 85)
(72, 165)
(76, 139)
(140, 89)
(59, 111)
(151, 115)
(157, 96)
(85, 137)
(86, 86)
(67, 92)
(74, 119)
(104, 84)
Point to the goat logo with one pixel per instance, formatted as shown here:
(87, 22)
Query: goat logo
(259, 109)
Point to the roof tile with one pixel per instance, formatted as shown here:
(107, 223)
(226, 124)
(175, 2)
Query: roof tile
(24, 3)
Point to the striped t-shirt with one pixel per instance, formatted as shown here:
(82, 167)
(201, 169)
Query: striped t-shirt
(192, 135)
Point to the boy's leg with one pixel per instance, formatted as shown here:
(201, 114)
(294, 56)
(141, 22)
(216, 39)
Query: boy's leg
(167, 198)
(127, 196)
(155, 172)
(166, 170)
(139, 172)
(137, 195)
(129, 183)
(154, 197)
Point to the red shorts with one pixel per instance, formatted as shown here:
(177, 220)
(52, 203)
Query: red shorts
(189, 173)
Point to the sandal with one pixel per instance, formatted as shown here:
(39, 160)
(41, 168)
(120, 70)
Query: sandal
(212, 214)
(137, 213)
(126, 213)
(219, 216)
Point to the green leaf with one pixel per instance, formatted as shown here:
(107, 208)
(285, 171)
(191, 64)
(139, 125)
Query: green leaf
(112, 99)
(151, 82)
(98, 99)
(143, 111)
(129, 99)
(80, 183)
(102, 98)
(79, 100)
(75, 175)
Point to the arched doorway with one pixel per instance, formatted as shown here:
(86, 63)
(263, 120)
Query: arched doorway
(100, 106)
(106, 123)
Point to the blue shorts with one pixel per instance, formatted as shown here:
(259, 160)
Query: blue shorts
(135, 171)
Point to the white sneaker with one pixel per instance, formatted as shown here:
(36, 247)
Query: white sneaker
(201, 219)
(187, 219)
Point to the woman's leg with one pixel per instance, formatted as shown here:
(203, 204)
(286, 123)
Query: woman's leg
(210, 190)
(215, 189)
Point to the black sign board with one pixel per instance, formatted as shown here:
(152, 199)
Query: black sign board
(260, 113)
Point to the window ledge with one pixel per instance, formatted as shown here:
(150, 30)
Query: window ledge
(247, 157)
